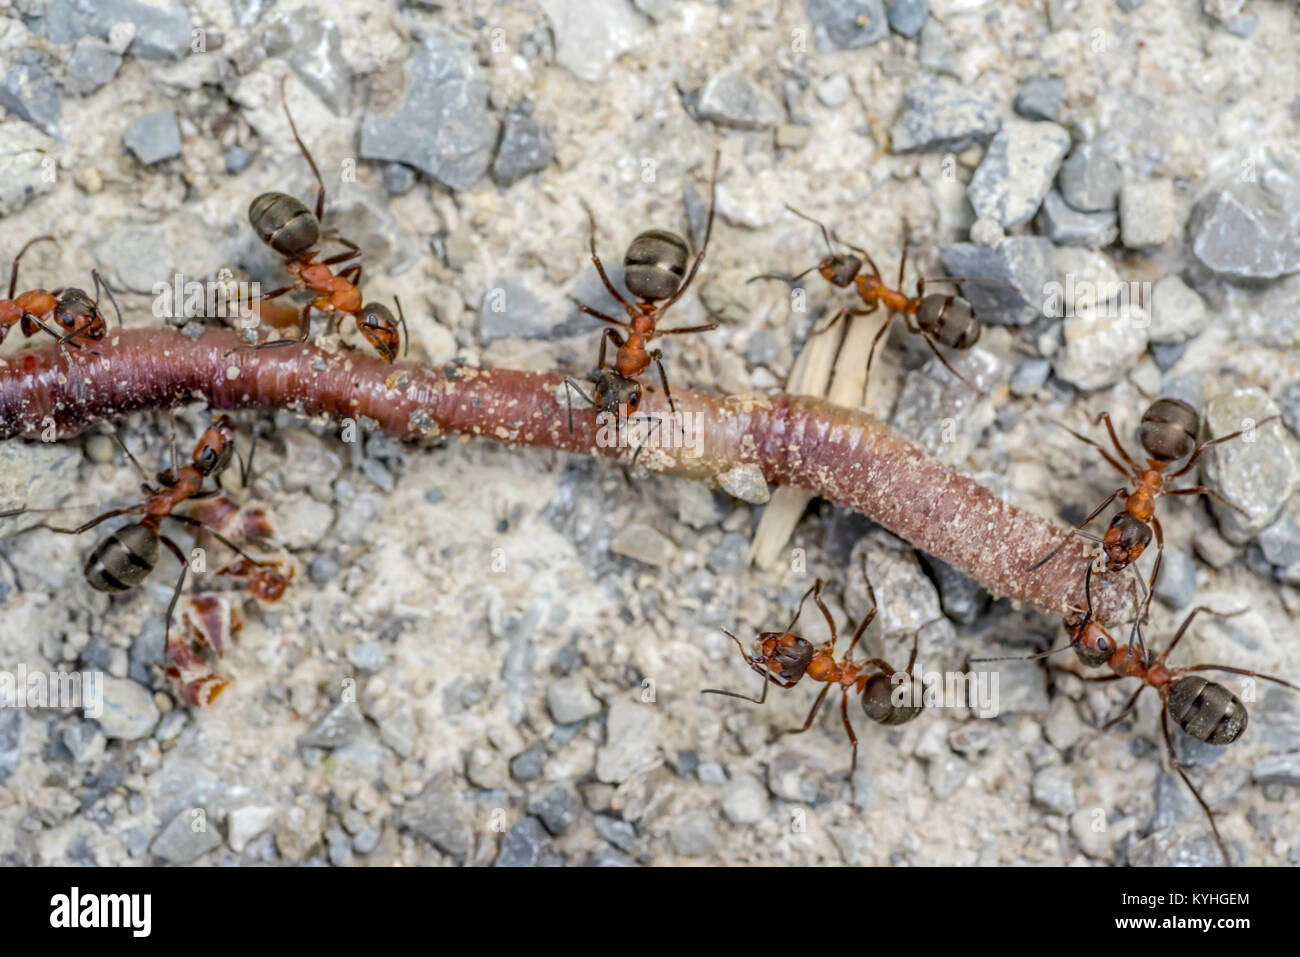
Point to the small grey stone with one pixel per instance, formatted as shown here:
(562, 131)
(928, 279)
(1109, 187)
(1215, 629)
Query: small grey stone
(961, 596)
(621, 834)
(1277, 769)
(938, 53)
(525, 148)
(1063, 726)
(1146, 212)
(322, 569)
(1053, 789)
(1030, 376)
(398, 179)
(697, 506)
(367, 656)
(442, 127)
(338, 846)
(1241, 26)
(28, 91)
(439, 815)
(833, 92)
(694, 834)
(1184, 845)
(907, 17)
(687, 762)
(338, 727)
(1289, 401)
(1101, 345)
(847, 24)
(557, 810)
(313, 46)
(1039, 98)
(1090, 179)
(1176, 586)
(1173, 802)
(590, 36)
(92, 64)
(237, 160)
(187, 837)
(939, 115)
(731, 99)
(1178, 312)
(367, 839)
(1167, 354)
(1214, 550)
(1128, 6)
(1250, 230)
(710, 772)
(1017, 171)
(1026, 263)
(729, 558)
(631, 741)
(1222, 10)
(521, 846)
(611, 857)
(129, 712)
(160, 32)
(1280, 542)
(1021, 689)
(1257, 476)
(570, 699)
(792, 777)
(529, 765)
(744, 800)
(644, 544)
(946, 773)
(745, 482)
(1066, 226)
(11, 735)
(510, 310)
(154, 137)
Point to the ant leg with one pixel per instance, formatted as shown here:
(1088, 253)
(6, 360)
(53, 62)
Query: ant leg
(735, 694)
(871, 615)
(902, 262)
(807, 722)
(246, 467)
(320, 193)
(1196, 453)
(93, 522)
(406, 334)
(707, 327)
(1126, 709)
(187, 520)
(880, 334)
(929, 341)
(342, 258)
(663, 377)
(277, 293)
(853, 738)
(583, 307)
(600, 267)
(708, 232)
(1097, 445)
(1242, 671)
(799, 611)
(1177, 766)
(176, 592)
(1155, 570)
(1105, 417)
(637, 454)
(117, 437)
(569, 385)
(1187, 622)
(1097, 511)
(1203, 490)
(13, 275)
(830, 622)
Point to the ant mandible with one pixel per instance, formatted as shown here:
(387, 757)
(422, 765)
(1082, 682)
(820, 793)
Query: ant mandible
(72, 309)
(1204, 709)
(655, 274)
(782, 658)
(292, 230)
(936, 317)
(1167, 432)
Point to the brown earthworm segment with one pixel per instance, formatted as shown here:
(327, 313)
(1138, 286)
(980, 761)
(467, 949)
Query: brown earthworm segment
(842, 455)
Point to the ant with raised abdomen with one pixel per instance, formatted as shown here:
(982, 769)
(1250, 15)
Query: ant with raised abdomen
(936, 317)
(292, 230)
(1204, 709)
(656, 276)
(1167, 432)
(783, 658)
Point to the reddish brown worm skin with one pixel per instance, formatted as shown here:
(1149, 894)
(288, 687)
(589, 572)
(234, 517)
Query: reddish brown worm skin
(842, 455)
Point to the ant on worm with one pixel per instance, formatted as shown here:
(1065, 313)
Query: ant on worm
(945, 318)
(656, 275)
(1204, 709)
(1167, 432)
(71, 309)
(782, 658)
(292, 230)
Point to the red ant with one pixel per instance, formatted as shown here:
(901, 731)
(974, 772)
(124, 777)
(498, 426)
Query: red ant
(782, 658)
(126, 556)
(1204, 709)
(937, 317)
(1167, 432)
(292, 230)
(72, 309)
(654, 272)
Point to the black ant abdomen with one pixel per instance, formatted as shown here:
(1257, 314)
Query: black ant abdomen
(284, 223)
(878, 700)
(1207, 710)
(949, 319)
(1169, 429)
(655, 264)
(123, 559)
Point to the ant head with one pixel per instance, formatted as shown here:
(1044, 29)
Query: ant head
(655, 264)
(216, 446)
(1206, 710)
(76, 310)
(380, 329)
(840, 269)
(1092, 644)
(613, 391)
(1126, 538)
(783, 654)
(1169, 429)
(284, 224)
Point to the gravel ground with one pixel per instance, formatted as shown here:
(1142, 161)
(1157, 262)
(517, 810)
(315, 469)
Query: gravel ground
(495, 656)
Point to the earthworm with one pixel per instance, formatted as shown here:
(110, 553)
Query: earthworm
(843, 455)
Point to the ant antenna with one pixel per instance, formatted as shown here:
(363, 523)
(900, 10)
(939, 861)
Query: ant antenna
(818, 223)
(406, 349)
